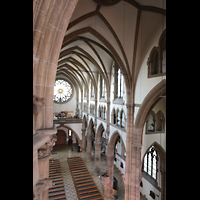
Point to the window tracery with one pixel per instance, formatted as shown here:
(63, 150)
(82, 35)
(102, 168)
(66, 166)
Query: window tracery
(62, 91)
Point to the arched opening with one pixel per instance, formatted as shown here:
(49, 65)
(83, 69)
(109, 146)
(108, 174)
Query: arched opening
(160, 176)
(100, 145)
(90, 146)
(61, 137)
(113, 155)
(152, 98)
(71, 137)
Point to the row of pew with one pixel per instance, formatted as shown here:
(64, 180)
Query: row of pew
(85, 186)
(55, 173)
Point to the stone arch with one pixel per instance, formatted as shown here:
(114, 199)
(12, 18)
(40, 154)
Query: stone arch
(100, 130)
(162, 157)
(48, 33)
(112, 142)
(148, 103)
(110, 156)
(84, 122)
(98, 136)
(64, 127)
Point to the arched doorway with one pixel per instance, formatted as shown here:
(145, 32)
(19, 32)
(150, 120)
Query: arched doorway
(61, 137)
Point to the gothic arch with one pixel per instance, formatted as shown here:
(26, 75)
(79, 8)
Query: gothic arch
(84, 122)
(112, 141)
(162, 157)
(148, 103)
(89, 139)
(66, 127)
(100, 130)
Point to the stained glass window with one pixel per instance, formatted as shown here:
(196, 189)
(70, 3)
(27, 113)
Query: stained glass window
(62, 91)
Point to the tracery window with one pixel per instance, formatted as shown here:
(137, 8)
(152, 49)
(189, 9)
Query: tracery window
(102, 88)
(119, 83)
(150, 162)
(92, 91)
(62, 91)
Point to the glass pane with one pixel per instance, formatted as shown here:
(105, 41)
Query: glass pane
(154, 174)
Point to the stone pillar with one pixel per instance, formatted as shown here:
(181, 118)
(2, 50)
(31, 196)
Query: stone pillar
(41, 188)
(108, 119)
(40, 191)
(89, 145)
(108, 191)
(97, 156)
(95, 120)
(128, 151)
(135, 171)
(83, 139)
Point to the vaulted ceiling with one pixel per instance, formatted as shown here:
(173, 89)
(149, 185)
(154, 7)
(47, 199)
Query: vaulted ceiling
(99, 36)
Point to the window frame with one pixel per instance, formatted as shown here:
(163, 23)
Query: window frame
(150, 162)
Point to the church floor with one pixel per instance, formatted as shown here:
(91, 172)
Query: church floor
(65, 151)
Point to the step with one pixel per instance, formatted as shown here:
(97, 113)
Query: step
(95, 198)
(77, 173)
(62, 196)
(90, 195)
(76, 176)
(85, 178)
(57, 182)
(56, 193)
(89, 191)
(87, 188)
(55, 177)
(56, 186)
(83, 185)
(88, 181)
(57, 189)
(59, 179)
(82, 170)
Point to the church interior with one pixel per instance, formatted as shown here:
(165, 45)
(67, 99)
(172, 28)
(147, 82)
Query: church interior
(99, 99)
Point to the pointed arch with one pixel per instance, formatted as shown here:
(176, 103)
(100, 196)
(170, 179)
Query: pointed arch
(112, 142)
(64, 127)
(100, 130)
(149, 102)
(162, 157)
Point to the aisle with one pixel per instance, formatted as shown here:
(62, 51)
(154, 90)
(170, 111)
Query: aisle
(63, 152)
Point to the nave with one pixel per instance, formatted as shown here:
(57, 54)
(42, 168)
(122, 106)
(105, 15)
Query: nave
(63, 152)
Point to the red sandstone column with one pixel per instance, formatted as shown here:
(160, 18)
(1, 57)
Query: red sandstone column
(83, 139)
(89, 145)
(97, 155)
(128, 152)
(108, 191)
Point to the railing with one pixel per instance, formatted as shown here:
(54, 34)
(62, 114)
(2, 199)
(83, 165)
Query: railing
(67, 120)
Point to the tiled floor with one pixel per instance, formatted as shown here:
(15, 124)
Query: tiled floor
(65, 151)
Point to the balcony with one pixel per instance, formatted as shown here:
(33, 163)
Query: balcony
(64, 120)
